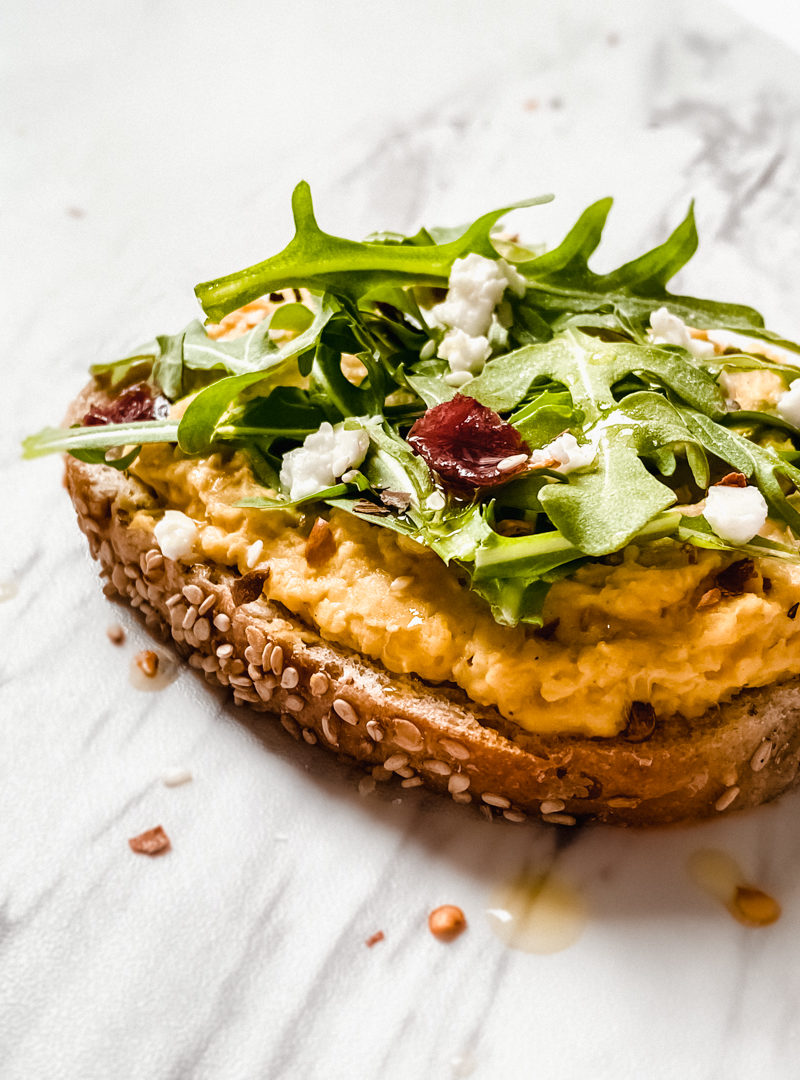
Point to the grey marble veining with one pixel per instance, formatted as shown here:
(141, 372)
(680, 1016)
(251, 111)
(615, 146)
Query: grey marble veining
(241, 954)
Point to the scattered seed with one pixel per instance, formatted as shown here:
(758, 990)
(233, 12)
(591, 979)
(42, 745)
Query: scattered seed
(290, 678)
(309, 736)
(395, 762)
(513, 461)
(222, 622)
(552, 806)
(447, 922)
(175, 776)
(345, 711)
(374, 729)
(147, 663)
(318, 683)
(515, 816)
(559, 819)
(294, 703)
(276, 660)
(500, 801)
(440, 768)
(225, 650)
(458, 783)
(726, 798)
(207, 604)
(189, 619)
(454, 749)
(193, 593)
(407, 735)
(328, 732)
(761, 756)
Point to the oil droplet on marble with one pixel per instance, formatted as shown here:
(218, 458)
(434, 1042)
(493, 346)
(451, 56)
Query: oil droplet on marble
(165, 673)
(8, 590)
(718, 874)
(537, 912)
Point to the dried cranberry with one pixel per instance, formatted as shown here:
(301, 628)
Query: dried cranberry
(464, 442)
(135, 403)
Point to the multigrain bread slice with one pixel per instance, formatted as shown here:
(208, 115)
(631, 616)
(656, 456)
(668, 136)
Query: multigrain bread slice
(740, 754)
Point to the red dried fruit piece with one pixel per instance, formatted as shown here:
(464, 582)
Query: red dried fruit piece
(135, 403)
(464, 442)
(153, 842)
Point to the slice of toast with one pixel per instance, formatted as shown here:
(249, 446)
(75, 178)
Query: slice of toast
(739, 754)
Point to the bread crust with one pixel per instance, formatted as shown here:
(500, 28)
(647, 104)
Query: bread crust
(740, 754)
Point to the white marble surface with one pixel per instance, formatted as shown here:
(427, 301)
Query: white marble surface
(148, 146)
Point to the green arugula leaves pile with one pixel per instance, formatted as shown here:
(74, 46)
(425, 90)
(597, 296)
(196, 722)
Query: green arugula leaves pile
(575, 356)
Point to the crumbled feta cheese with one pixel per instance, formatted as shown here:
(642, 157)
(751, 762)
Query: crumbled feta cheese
(176, 535)
(737, 514)
(567, 451)
(668, 329)
(436, 501)
(324, 456)
(465, 353)
(475, 289)
(789, 403)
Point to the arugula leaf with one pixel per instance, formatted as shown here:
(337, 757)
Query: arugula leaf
(761, 462)
(561, 282)
(206, 410)
(316, 260)
(102, 437)
(697, 531)
(590, 368)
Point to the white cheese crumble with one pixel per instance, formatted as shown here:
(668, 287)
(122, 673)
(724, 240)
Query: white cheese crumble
(668, 329)
(464, 353)
(436, 501)
(567, 451)
(324, 456)
(176, 535)
(475, 288)
(737, 514)
(789, 403)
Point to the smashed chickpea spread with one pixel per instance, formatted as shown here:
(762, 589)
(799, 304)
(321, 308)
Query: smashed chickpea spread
(624, 633)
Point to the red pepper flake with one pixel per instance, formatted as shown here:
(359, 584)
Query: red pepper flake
(733, 479)
(373, 939)
(135, 403)
(792, 611)
(464, 442)
(153, 842)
